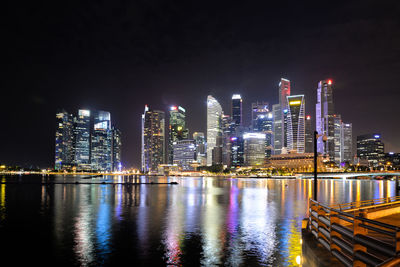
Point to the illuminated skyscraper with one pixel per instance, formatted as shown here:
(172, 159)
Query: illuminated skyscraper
(101, 141)
(200, 143)
(82, 140)
(184, 154)
(64, 146)
(153, 140)
(280, 118)
(237, 110)
(309, 136)
(324, 119)
(116, 149)
(177, 129)
(371, 148)
(296, 123)
(254, 149)
(263, 121)
(214, 113)
(337, 133)
(347, 142)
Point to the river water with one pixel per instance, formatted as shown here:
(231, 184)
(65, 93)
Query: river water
(200, 221)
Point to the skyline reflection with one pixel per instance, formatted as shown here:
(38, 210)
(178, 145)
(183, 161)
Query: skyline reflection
(200, 221)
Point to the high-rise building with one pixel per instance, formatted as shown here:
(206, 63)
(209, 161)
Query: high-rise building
(101, 141)
(214, 113)
(309, 138)
(296, 124)
(263, 121)
(278, 134)
(116, 149)
(347, 142)
(370, 147)
(237, 110)
(153, 140)
(64, 146)
(228, 128)
(82, 140)
(200, 143)
(337, 133)
(258, 110)
(184, 154)
(324, 119)
(177, 129)
(280, 118)
(254, 149)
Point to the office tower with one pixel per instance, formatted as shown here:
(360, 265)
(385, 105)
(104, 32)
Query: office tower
(254, 149)
(237, 110)
(82, 140)
(392, 159)
(214, 113)
(64, 146)
(263, 121)
(278, 141)
(309, 137)
(370, 147)
(153, 140)
(280, 112)
(296, 123)
(184, 154)
(347, 142)
(237, 147)
(258, 110)
(200, 143)
(116, 149)
(337, 133)
(324, 120)
(177, 129)
(101, 141)
(228, 128)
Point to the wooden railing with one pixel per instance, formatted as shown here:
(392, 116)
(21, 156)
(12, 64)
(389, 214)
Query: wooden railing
(353, 239)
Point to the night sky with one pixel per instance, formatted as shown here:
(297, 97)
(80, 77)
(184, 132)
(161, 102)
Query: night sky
(119, 56)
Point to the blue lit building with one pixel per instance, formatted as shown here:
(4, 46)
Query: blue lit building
(101, 138)
(82, 140)
(184, 154)
(64, 145)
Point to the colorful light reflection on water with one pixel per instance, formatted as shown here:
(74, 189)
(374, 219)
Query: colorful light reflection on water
(200, 221)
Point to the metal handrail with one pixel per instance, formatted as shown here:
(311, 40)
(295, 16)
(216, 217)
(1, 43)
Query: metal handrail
(328, 231)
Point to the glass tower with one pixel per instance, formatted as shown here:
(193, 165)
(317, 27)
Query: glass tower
(296, 123)
(280, 115)
(64, 145)
(153, 140)
(309, 136)
(82, 140)
(254, 149)
(371, 148)
(237, 110)
(101, 146)
(347, 142)
(177, 129)
(116, 149)
(324, 120)
(214, 114)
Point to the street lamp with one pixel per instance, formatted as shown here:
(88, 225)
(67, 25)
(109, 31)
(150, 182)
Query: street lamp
(324, 138)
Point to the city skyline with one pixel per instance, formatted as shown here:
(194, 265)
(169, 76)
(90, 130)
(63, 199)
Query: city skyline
(143, 55)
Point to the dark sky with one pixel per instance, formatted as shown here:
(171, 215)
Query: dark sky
(119, 56)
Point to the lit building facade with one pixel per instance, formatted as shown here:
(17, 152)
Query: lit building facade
(184, 154)
(347, 142)
(237, 110)
(214, 114)
(177, 129)
(153, 140)
(263, 122)
(296, 124)
(309, 137)
(64, 145)
(337, 133)
(101, 141)
(254, 149)
(200, 143)
(324, 119)
(116, 150)
(370, 147)
(280, 112)
(82, 140)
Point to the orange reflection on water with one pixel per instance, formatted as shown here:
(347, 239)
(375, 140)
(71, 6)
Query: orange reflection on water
(3, 199)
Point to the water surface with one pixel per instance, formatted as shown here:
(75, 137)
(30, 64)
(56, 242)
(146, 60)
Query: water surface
(200, 221)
